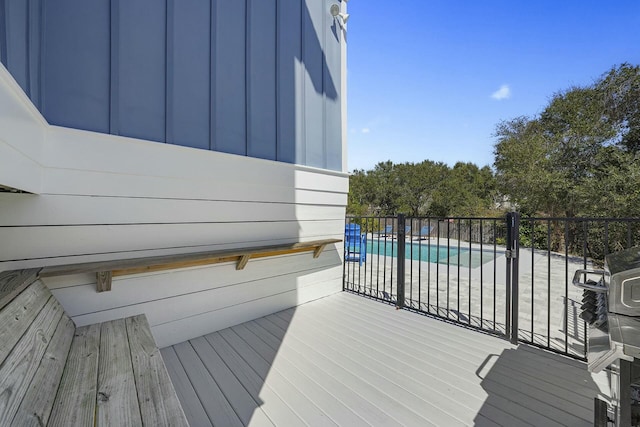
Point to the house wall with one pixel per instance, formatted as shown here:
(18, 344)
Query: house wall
(101, 197)
(260, 78)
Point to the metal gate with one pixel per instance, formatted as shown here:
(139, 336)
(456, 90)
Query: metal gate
(506, 276)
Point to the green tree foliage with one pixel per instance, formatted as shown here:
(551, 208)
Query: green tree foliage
(580, 156)
(422, 189)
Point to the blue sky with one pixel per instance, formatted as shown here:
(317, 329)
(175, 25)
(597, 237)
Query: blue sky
(421, 73)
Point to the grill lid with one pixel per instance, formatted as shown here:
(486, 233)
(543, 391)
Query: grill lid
(628, 259)
(623, 281)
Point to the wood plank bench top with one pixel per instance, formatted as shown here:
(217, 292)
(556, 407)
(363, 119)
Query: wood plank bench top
(54, 374)
(106, 270)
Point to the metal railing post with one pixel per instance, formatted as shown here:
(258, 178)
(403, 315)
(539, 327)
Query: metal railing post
(511, 255)
(507, 256)
(400, 259)
(515, 281)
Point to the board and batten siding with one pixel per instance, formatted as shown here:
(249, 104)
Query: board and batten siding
(101, 197)
(260, 78)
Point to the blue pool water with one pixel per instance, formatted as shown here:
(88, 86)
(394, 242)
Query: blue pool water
(433, 253)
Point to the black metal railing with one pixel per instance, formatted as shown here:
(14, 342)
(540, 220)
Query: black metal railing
(506, 276)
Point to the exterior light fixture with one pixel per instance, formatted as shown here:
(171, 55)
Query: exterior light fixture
(341, 17)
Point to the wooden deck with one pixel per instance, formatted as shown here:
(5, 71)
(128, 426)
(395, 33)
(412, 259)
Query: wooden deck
(346, 360)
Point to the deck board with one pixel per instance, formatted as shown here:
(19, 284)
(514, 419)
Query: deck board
(347, 360)
(266, 399)
(459, 357)
(193, 409)
(117, 402)
(37, 404)
(329, 381)
(218, 409)
(158, 402)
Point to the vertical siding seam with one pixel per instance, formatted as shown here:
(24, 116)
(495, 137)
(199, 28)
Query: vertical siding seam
(212, 76)
(325, 71)
(114, 78)
(35, 22)
(247, 79)
(277, 80)
(303, 86)
(166, 65)
(3, 32)
(168, 76)
(41, 54)
(247, 68)
(27, 45)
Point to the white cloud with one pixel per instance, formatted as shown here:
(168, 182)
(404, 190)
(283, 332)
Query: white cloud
(365, 130)
(503, 93)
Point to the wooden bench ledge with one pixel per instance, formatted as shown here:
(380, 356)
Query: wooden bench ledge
(106, 270)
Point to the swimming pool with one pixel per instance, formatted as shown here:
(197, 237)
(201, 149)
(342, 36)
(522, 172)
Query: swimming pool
(431, 253)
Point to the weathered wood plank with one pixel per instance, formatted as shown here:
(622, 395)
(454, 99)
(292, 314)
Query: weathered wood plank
(15, 281)
(117, 402)
(21, 365)
(190, 401)
(75, 403)
(319, 250)
(36, 406)
(242, 262)
(158, 401)
(103, 281)
(171, 266)
(16, 317)
(166, 262)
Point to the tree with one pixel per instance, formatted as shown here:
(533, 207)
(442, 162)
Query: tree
(571, 159)
(466, 191)
(419, 183)
(422, 189)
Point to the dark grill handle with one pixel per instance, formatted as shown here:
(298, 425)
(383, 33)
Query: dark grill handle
(590, 285)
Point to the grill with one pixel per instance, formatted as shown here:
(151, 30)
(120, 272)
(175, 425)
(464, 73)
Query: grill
(611, 307)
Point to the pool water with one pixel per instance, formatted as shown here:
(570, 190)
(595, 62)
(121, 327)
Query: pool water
(431, 253)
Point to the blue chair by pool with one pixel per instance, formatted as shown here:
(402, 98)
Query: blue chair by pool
(407, 231)
(355, 244)
(425, 232)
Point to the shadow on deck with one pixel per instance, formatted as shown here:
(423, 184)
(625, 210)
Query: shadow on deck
(346, 360)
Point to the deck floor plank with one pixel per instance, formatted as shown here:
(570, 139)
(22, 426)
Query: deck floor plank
(117, 402)
(159, 404)
(530, 361)
(37, 404)
(449, 394)
(301, 405)
(17, 316)
(372, 387)
(193, 408)
(13, 282)
(361, 362)
(538, 390)
(274, 406)
(334, 408)
(213, 399)
(328, 380)
(75, 403)
(238, 397)
(23, 362)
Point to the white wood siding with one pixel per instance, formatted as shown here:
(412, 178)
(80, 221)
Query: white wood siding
(102, 197)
